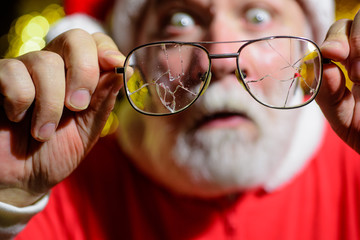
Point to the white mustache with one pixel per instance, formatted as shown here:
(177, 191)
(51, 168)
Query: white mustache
(220, 98)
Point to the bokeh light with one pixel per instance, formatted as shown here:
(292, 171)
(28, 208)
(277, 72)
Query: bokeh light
(29, 31)
(347, 8)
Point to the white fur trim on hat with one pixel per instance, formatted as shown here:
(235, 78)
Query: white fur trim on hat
(74, 21)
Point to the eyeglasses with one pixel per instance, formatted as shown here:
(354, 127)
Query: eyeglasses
(281, 72)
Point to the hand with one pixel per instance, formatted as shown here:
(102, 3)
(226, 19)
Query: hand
(55, 103)
(341, 105)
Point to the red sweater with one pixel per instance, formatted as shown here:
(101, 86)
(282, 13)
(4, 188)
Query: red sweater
(108, 198)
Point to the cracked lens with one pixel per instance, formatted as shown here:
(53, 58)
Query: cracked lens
(167, 77)
(289, 73)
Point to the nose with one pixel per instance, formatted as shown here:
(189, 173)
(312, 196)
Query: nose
(222, 29)
(223, 64)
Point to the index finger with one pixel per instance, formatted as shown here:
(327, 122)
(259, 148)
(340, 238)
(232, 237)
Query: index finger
(78, 49)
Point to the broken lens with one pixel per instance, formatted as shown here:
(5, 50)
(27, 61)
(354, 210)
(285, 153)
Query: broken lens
(283, 72)
(165, 78)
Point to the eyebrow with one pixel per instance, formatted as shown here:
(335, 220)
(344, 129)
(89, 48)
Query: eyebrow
(198, 2)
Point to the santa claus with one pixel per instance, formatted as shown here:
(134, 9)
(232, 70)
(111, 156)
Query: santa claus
(227, 167)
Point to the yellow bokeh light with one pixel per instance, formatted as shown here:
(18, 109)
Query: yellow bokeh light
(32, 30)
(37, 27)
(29, 46)
(53, 12)
(29, 31)
(111, 125)
(21, 22)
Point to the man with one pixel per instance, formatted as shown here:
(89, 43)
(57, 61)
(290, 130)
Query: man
(218, 170)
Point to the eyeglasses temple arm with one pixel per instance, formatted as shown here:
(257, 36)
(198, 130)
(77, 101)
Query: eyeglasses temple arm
(119, 70)
(326, 61)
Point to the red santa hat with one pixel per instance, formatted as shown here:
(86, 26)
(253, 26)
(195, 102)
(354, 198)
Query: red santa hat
(90, 14)
(95, 8)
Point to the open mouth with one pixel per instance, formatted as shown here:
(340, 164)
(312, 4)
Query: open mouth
(223, 120)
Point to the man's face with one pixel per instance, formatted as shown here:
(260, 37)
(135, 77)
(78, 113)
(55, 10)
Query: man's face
(226, 141)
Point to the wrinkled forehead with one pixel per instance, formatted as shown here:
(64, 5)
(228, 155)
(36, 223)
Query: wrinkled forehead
(211, 3)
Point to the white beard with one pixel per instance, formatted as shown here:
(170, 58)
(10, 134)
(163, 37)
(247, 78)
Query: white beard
(266, 152)
(233, 159)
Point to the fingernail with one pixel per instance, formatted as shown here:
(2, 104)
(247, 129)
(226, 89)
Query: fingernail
(46, 131)
(80, 99)
(115, 55)
(330, 44)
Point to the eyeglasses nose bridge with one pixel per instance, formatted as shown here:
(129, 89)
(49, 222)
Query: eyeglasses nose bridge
(227, 55)
(224, 55)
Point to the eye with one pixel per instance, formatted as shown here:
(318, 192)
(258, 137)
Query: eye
(182, 19)
(258, 16)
